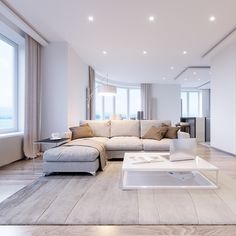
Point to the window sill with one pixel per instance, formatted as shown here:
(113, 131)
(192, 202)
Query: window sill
(13, 134)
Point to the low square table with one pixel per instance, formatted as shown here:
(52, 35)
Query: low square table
(145, 170)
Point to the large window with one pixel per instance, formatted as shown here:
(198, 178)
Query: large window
(125, 104)
(191, 103)
(8, 85)
(121, 103)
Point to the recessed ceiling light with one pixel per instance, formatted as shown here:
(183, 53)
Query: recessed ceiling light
(151, 18)
(90, 18)
(194, 73)
(172, 67)
(199, 79)
(212, 18)
(185, 79)
(104, 52)
(164, 78)
(184, 52)
(144, 52)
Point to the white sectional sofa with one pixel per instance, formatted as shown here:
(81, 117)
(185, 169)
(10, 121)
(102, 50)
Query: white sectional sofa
(120, 136)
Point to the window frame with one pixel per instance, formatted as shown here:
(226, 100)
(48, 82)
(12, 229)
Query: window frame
(15, 86)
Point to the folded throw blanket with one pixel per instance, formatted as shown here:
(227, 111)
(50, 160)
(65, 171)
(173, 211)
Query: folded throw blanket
(93, 144)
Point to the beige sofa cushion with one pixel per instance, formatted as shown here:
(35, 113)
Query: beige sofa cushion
(100, 128)
(71, 154)
(154, 145)
(124, 128)
(172, 132)
(102, 140)
(124, 143)
(82, 131)
(155, 133)
(147, 124)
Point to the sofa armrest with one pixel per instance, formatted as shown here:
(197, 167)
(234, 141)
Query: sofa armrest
(181, 134)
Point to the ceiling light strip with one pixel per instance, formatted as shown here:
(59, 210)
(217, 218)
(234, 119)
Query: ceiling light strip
(21, 23)
(219, 42)
(191, 67)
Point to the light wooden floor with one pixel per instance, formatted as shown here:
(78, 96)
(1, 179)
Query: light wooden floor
(19, 174)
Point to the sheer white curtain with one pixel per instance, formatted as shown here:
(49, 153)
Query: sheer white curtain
(32, 96)
(91, 95)
(146, 101)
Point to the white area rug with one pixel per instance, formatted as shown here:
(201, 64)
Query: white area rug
(85, 199)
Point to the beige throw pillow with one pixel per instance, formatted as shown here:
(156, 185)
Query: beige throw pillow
(155, 133)
(83, 131)
(171, 132)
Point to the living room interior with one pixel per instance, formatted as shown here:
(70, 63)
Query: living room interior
(117, 117)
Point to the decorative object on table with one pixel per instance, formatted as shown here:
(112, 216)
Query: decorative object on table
(183, 149)
(145, 159)
(55, 136)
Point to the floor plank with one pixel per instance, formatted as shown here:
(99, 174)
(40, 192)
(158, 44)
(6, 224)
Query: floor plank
(175, 206)
(63, 205)
(148, 211)
(211, 208)
(117, 230)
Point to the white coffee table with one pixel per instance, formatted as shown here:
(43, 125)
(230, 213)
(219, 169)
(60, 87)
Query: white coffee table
(161, 173)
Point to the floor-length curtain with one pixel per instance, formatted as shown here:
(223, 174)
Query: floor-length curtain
(146, 101)
(32, 96)
(91, 95)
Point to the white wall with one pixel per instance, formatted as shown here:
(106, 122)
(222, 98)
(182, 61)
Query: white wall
(54, 88)
(78, 81)
(206, 102)
(166, 102)
(223, 100)
(64, 84)
(11, 148)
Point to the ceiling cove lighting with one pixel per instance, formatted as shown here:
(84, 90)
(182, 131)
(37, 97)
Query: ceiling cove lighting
(151, 18)
(212, 18)
(90, 18)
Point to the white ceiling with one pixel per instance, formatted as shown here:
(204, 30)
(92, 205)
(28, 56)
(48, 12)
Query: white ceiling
(121, 28)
